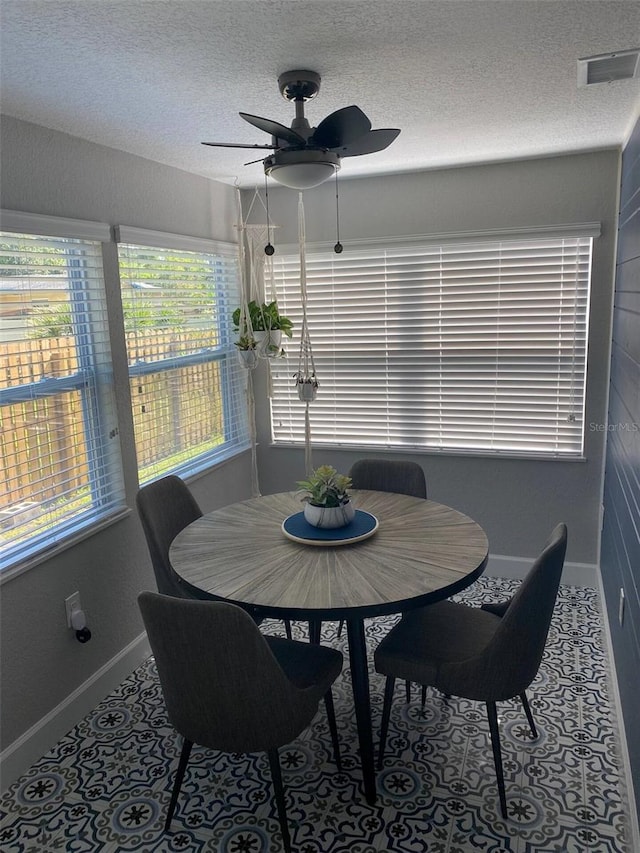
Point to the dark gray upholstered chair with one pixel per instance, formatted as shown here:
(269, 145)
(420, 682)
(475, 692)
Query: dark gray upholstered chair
(489, 653)
(228, 687)
(385, 475)
(166, 507)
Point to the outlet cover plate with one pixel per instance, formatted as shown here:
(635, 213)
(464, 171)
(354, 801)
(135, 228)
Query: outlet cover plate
(72, 603)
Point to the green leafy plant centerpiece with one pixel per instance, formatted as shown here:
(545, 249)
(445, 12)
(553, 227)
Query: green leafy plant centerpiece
(326, 499)
(325, 487)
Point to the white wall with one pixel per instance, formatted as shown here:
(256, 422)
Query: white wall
(41, 662)
(516, 501)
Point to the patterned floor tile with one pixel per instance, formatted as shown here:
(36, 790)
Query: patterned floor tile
(105, 787)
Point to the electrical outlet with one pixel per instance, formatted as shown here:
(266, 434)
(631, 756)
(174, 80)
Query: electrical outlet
(72, 603)
(621, 607)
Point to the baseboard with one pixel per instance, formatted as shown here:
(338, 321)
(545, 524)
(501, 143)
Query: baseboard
(41, 737)
(573, 574)
(632, 813)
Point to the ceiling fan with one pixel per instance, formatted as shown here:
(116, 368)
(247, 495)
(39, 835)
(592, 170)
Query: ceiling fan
(305, 156)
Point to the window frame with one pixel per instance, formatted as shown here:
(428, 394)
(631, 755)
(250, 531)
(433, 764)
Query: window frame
(232, 378)
(93, 380)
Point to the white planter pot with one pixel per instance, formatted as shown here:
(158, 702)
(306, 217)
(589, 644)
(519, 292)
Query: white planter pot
(307, 391)
(248, 358)
(268, 343)
(329, 516)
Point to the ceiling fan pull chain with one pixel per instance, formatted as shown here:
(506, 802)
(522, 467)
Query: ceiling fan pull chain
(338, 246)
(268, 249)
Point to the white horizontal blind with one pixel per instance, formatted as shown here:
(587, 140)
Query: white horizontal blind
(187, 387)
(58, 436)
(469, 347)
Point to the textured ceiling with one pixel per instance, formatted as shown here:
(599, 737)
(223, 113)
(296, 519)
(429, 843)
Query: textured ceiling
(467, 81)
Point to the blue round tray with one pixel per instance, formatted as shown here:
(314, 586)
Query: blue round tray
(297, 528)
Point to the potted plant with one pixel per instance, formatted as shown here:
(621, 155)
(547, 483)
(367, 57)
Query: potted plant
(268, 326)
(326, 499)
(307, 387)
(247, 352)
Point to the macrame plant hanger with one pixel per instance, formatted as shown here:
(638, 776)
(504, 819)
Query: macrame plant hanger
(251, 263)
(306, 379)
(265, 282)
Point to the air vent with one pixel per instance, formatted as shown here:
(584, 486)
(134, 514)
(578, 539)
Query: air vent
(621, 65)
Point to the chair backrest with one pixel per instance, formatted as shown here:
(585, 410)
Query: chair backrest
(165, 507)
(221, 683)
(384, 475)
(510, 661)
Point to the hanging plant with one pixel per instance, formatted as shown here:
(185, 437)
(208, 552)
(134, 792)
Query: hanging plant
(307, 387)
(263, 324)
(269, 319)
(245, 343)
(247, 351)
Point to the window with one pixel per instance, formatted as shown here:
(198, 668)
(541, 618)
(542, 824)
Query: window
(187, 386)
(474, 346)
(58, 431)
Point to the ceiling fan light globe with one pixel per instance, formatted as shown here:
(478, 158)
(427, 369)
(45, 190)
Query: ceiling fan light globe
(302, 176)
(301, 170)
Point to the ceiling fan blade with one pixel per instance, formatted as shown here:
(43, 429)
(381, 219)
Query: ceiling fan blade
(251, 162)
(237, 145)
(275, 129)
(375, 140)
(341, 128)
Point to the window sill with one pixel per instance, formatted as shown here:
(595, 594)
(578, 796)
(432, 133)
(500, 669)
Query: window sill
(432, 451)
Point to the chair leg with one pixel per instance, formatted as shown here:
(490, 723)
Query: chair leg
(497, 756)
(287, 628)
(276, 775)
(331, 717)
(315, 628)
(386, 712)
(182, 766)
(423, 693)
(527, 710)
(340, 627)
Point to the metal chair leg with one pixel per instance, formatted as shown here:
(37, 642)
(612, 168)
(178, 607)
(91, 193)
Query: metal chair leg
(340, 627)
(423, 693)
(315, 627)
(331, 717)
(386, 712)
(527, 710)
(182, 766)
(497, 756)
(287, 628)
(276, 775)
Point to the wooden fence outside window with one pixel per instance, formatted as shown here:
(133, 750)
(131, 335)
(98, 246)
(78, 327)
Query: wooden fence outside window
(42, 440)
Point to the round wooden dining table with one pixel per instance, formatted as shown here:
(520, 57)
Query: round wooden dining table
(420, 552)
